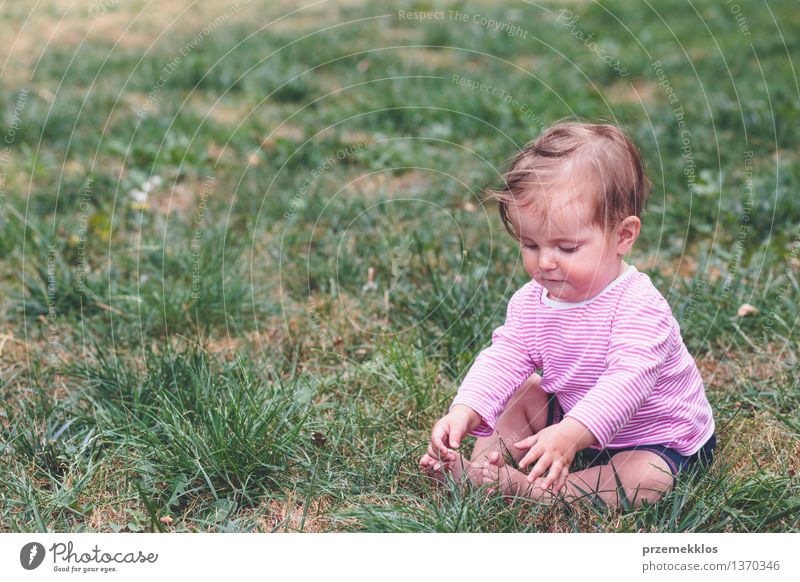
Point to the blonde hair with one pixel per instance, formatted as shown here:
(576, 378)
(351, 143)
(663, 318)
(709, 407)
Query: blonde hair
(601, 156)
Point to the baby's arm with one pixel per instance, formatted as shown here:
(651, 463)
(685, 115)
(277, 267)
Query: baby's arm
(499, 369)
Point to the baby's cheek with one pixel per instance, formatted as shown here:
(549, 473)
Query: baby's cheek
(529, 261)
(586, 270)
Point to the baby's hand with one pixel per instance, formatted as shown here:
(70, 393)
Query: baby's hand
(555, 447)
(450, 429)
(552, 451)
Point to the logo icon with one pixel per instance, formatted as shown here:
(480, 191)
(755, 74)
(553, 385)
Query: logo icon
(31, 555)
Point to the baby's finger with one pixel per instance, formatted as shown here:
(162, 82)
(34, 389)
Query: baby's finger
(529, 457)
(527, 443)
(539, 468)
(562, 480)
(438, 434)
(555, 473)
(433, 453)
(436, 454)
(526, 459)
(455, 436)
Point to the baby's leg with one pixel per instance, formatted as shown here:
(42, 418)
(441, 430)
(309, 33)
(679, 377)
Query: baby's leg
(644, 476)
(525, 414)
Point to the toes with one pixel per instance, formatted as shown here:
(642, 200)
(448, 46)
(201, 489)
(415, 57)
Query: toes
(429, 465)
(496, 459)
(487, 474)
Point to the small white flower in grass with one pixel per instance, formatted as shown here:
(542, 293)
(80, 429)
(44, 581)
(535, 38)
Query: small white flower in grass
(139, 196)
(746, 309)
(152, 183)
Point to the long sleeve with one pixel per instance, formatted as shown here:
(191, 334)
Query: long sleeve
(641, 341)
(499, 369)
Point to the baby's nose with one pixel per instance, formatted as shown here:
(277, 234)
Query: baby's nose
(547, 260)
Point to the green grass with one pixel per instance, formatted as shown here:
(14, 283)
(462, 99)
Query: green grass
(214, 355)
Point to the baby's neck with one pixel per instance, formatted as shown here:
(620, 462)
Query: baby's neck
(622, 268)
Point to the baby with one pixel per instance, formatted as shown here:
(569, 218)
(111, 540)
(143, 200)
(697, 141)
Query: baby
(617, 387)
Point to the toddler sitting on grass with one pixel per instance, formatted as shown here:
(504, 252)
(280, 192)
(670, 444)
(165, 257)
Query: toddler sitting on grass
(617, 387)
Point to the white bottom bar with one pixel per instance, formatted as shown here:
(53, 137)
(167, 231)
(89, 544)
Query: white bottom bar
(427, 556)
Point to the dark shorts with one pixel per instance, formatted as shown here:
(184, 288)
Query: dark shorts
(677, 462)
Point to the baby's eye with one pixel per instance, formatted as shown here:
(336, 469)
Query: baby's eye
(531, 247)
(568, 250)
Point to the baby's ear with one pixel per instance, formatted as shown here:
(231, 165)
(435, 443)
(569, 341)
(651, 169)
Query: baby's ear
(627, 233)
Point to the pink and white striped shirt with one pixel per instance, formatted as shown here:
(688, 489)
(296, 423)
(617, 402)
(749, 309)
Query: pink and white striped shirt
(616, 362)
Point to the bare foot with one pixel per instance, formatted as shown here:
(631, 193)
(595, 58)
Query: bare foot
(455, 465)
(510, 481)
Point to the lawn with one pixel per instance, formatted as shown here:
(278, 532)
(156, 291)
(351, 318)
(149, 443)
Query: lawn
(246, 255)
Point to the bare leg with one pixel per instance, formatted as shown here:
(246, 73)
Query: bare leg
(510, 481)
(644, 476)
(525, 414)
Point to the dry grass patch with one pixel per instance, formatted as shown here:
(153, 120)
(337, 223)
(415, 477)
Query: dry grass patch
(389, 185)
(639, 91)
(428, 59)
(760, 444)
(294, 514)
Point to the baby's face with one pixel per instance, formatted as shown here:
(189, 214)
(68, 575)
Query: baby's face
(569, 256)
